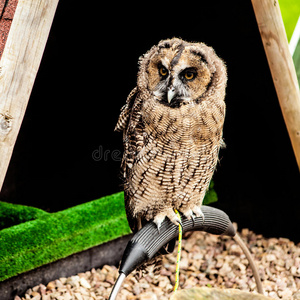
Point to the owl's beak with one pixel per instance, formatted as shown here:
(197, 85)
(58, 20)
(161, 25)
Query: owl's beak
(171, 94)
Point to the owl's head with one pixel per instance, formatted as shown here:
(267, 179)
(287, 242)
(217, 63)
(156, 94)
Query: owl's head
(176, 72)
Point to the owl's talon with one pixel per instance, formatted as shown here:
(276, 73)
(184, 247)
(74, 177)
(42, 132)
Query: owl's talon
(170, 214)
(198, 212)
(158, 220)
(193, 219)
(189, 215)
(174, 219)
(178, 221)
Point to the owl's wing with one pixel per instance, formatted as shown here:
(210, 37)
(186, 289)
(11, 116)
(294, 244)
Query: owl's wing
(125, 111)
(130, 122)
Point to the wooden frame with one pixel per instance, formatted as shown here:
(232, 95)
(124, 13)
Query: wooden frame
(282, 68)
(18, 68)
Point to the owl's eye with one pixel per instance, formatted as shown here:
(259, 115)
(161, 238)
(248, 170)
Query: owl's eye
(189, 75)
(163, 71)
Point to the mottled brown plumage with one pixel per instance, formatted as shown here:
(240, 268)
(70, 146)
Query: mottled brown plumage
(172, 126)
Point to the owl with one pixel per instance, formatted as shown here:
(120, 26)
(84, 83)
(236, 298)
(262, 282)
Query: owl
(172, 126)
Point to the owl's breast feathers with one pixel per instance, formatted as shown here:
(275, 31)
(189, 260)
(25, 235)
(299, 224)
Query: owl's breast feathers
(169, 153)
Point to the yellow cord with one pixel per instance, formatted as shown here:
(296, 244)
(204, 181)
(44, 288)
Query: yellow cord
(178, 253)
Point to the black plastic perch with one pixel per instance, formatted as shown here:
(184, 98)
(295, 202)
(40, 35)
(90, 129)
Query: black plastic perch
(148, 241)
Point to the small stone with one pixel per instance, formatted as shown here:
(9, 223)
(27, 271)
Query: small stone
(270, 257)
(169, 288)
(84, 283)
(36, 288)
(67, 296)
(78, 296)
(163, 282)
(73, 281)
(63, 280)
(42, 289)
(28, 292)
(110, 278)
(102, 276)
(59, 284)
(294, 271)
(285, 294)
(289, 263)
(235, 250)
(147, 296)
(105, 284)
(51, 285)
(245, 232)
(187, 247)
(165, 272)
(197, 256)
(228, 284)
(144, 285)
(191, 282)
(184, 264)
(225, 269)
(273, 295)
(124, 293)
(282, 241)
(136, 289)
(108, 269)
(220, 262)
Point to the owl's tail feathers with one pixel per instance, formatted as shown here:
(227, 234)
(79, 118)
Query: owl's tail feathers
(153, 266)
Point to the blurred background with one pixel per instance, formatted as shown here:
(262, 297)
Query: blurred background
(67, 151)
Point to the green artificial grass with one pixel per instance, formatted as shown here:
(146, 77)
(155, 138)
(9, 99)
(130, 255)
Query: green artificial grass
(54, 236)
(13, 214)
(47, 237)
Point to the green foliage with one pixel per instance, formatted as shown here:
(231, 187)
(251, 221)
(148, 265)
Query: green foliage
(211, 195)
(290, 11)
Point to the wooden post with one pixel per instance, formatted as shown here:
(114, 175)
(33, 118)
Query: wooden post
(18, 68)
(276, 46)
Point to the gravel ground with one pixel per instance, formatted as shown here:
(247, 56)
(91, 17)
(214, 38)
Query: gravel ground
(207, 260)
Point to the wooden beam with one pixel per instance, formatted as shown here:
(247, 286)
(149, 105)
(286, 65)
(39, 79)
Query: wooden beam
(282, 68)
(18, 68)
